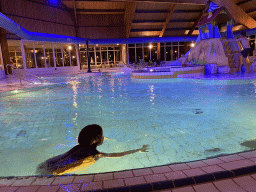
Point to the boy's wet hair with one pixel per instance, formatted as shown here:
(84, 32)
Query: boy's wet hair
(90, 135)
(243, 33)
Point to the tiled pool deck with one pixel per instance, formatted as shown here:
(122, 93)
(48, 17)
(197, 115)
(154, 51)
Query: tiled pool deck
(235, 172)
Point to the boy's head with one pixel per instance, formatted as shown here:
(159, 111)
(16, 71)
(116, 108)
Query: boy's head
(91, 135)
(243, 33)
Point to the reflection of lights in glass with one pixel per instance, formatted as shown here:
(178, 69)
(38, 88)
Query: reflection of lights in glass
(151, 70)
(69, 47)
(167, 52)
(175, 51)
(117, 44)
(150, 46)
(73, 57)
(192, 44)
(97, 44)
(42, 57)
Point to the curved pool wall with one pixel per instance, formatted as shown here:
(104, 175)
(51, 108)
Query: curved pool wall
(168, 72)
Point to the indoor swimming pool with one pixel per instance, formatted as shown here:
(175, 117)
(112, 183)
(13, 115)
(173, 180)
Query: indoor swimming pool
(180, 119)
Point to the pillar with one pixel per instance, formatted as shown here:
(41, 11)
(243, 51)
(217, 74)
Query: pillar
(4, 48)
(158, 51)
(88, 57)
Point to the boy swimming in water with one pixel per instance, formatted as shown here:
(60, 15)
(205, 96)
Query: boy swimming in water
(81, 155)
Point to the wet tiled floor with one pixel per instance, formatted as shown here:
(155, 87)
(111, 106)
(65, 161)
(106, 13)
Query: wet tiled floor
(235, 172)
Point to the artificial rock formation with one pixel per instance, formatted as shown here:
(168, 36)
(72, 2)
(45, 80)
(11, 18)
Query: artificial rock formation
(208, 51)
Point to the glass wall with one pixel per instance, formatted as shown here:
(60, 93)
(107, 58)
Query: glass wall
(39, 54)
(49, 54)
(169, 51)
(83, 55)
(100, 56)
(29, 54)
(15, 53)
(148, 51)
(58, 55)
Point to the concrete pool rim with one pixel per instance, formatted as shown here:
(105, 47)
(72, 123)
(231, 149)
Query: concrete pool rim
(151, 178)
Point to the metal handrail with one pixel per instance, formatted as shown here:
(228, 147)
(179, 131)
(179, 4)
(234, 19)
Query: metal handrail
(41, 78)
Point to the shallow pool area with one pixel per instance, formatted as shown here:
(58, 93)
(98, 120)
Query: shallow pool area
(180, 119)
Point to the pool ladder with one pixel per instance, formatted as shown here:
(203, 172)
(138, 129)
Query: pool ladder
(20, 78)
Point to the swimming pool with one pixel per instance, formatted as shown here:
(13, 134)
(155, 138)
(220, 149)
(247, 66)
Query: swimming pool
(181, 120)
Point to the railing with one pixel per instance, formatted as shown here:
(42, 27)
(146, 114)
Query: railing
(20, 78)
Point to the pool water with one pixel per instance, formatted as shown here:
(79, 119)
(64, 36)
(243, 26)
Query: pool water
(180, 119)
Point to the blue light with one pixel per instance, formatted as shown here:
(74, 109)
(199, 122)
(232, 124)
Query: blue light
(53, 1)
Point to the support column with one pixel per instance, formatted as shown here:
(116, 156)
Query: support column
(5, 51)
(158, 51)
(88, 57)
(127, 55)
(78, 56)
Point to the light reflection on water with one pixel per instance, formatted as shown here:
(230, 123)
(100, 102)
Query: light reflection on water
(181, 120)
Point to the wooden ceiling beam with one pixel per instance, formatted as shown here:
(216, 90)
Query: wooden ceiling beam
(148, 21)
(238, 14)
(197, 2)
(130, 8)
(148, 24)
(168, 18)
(99, 13)
(195, 24)
(243, 2)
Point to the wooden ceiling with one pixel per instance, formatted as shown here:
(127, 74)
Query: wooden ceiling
(144, 18)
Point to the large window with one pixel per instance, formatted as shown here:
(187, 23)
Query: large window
(172, 51)
(58, 54)
(104, 55)
(49, 54)
(39, 54)
(15, 53)
(72, 53)
(66, 54)
(29, 54)
(132, 55)
(83, 55)
(92, 56)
